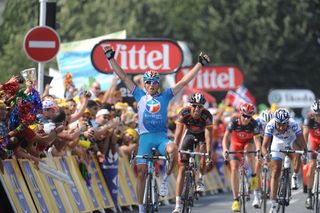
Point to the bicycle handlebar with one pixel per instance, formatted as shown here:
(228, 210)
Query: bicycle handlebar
(242, 152)
(193, 153)
(152, 157)
(289, 151)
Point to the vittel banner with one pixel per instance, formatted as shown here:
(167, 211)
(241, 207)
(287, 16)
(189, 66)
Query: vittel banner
(138, 56)
(214, 78)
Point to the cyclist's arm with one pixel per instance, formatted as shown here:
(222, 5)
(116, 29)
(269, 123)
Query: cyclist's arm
(266, 144)
(178, 133)
(187, 78)
(257, 141)
(226, 140)
(122, 75)
(207, 134)
(301, 142)
(306, 133)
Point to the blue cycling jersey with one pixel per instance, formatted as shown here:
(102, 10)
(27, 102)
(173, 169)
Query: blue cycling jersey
(152, 110)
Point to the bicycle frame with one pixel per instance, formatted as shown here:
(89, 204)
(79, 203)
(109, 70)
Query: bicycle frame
(151, 195)
(244, 181)
(284, 190)
(189, 186)
(315, 189)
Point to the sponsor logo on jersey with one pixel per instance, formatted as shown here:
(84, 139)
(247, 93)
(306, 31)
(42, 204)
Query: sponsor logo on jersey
(153, 106)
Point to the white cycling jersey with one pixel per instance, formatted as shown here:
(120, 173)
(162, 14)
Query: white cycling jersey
(282, 140)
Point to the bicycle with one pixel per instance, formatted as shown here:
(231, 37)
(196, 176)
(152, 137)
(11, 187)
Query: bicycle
(189, 186)
(284, 190)
(315, 188)
(151, 192)
(244, 193)
(265, 186)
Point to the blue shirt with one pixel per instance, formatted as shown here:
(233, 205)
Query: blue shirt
(152, 110)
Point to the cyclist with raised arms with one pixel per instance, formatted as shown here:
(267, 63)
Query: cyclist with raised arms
(264, 117)
(193, 130)
(241, 131)
(311, 133)
(281, 132)
(152, 121)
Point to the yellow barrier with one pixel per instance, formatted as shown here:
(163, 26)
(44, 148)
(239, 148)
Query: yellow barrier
(76, 194)
(16, 188)
(98, 181)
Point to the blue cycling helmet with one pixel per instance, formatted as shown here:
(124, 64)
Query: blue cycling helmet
(151, 76)
(281, 116)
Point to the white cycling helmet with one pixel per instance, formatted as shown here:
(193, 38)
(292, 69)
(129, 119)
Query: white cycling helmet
(265, 116)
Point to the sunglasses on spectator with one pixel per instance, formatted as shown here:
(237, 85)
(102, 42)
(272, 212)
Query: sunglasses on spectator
(152, 82)
(98, 88)
(197, 105)
(106, 117)
(246, 116)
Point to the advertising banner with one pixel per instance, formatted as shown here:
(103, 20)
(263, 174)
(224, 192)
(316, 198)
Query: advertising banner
(41, 198)
(213, 78)
(76, 193)
(75, 58)
(98, 179)
(16, 188)
(295, 98)
(138, 56)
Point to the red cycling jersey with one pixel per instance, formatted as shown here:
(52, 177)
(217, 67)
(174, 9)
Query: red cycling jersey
(241, 134)
(314, 131)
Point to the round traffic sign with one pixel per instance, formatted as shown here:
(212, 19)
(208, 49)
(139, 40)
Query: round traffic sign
(41, 44)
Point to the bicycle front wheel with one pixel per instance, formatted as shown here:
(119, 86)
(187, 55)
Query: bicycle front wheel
(264, 191)
(316, 193)
(282, 193)
(186, 208)
(243, 192)
(148, 201)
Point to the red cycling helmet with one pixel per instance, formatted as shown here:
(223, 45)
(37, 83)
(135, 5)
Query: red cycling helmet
(247, 109)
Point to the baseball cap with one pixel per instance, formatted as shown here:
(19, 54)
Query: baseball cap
(102, 112)
(48, 104)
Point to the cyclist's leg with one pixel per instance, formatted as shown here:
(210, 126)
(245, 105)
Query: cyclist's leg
(182, 160)
(296, 159)
(167, 147)
(275, 167)
(234, 167)
(145, 148)
(310, 174)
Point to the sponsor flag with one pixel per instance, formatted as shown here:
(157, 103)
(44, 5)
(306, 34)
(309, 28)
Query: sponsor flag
(239, 96)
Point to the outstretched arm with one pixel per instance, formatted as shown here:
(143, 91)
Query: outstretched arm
(203, 59)
(109, 52)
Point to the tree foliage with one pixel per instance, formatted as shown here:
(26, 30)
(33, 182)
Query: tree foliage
(273, 42)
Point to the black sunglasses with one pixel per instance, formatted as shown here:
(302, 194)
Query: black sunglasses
(152, 82)
(246, 116)
(196, 105)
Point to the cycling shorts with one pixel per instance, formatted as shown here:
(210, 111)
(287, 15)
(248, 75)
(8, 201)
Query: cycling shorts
(189, 143)
(278, 144)
(314, 145)
(148, 141)
(239, 146)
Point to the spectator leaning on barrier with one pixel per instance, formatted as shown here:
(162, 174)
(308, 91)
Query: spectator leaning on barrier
(152, 110)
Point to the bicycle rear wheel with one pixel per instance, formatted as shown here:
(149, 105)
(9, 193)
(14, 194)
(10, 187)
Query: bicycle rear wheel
(186, 208)
(316, 193)
(282, 193)
(148, 202)
(264, 195)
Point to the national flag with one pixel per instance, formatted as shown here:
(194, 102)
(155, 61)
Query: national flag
(241, 95)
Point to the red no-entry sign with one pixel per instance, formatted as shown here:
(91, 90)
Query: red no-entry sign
(41, 44)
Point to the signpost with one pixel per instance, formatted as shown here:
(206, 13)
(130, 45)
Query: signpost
(41, 44)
